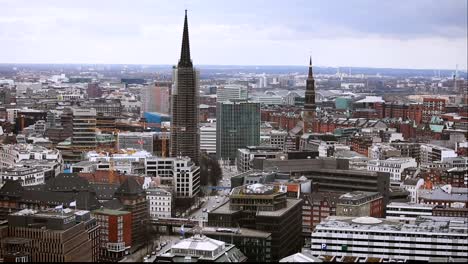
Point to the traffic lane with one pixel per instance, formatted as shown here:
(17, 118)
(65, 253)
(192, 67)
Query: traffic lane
(209, 205)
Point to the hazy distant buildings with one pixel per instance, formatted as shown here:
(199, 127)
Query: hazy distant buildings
(185, 139)
(237, 126)
(94, 91)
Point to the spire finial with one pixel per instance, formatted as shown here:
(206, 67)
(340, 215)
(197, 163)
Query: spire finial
(185, 60)
(310, 69)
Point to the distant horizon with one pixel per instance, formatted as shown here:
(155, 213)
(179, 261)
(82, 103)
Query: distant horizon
(235, 65)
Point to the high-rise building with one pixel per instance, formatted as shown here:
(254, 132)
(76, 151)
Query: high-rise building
(309, 104)
(231, 91)
(84, 128)
(155, 98)
(184, 123)
(237, 126)
(208, 138)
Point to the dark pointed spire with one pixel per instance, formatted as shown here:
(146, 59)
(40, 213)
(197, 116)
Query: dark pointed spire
(185, 60)
(310, 69)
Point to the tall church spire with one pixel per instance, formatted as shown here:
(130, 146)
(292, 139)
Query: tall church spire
(309, 103)
(185, 60)
(311, 76)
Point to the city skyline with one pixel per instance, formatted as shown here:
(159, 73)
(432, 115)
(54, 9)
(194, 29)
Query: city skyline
(356, 34)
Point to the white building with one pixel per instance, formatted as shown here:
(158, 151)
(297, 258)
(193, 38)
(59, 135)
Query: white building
(448, 163)
(208, 138)
(12, 114)
(231, 92)
(180, 173)
(382, 151)
(122, 161)
(275, 138)
(17, 154)
(408, 212)
(200, 248)
(26, 176)
(160, 202)
(427, 238)
(394, 166)
(413, 186)
(268, 99)
(432, 153)
(246, 155)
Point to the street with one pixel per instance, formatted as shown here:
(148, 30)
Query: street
(211, 202)
(220, 197)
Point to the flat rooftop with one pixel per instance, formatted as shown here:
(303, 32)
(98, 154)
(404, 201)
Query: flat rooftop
(438, 194)
(290, 203)
(357, 195)
(245, 232)
(110, 212)
(410, 205)
(424, 224)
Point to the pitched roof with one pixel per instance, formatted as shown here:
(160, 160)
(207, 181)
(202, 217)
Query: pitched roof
(12, 188)
(67, 182)
(105, 191)
(130, 186)
(113, 204)
(84, 199)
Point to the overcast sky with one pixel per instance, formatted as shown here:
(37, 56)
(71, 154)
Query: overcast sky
(428, 34)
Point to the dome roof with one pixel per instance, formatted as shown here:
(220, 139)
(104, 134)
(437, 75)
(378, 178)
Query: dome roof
(366, 220)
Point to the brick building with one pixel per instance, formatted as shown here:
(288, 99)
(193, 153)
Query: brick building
(316, 207)
(116, 233)
(432, 107)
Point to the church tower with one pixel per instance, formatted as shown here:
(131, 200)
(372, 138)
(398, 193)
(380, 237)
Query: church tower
(309, 104)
